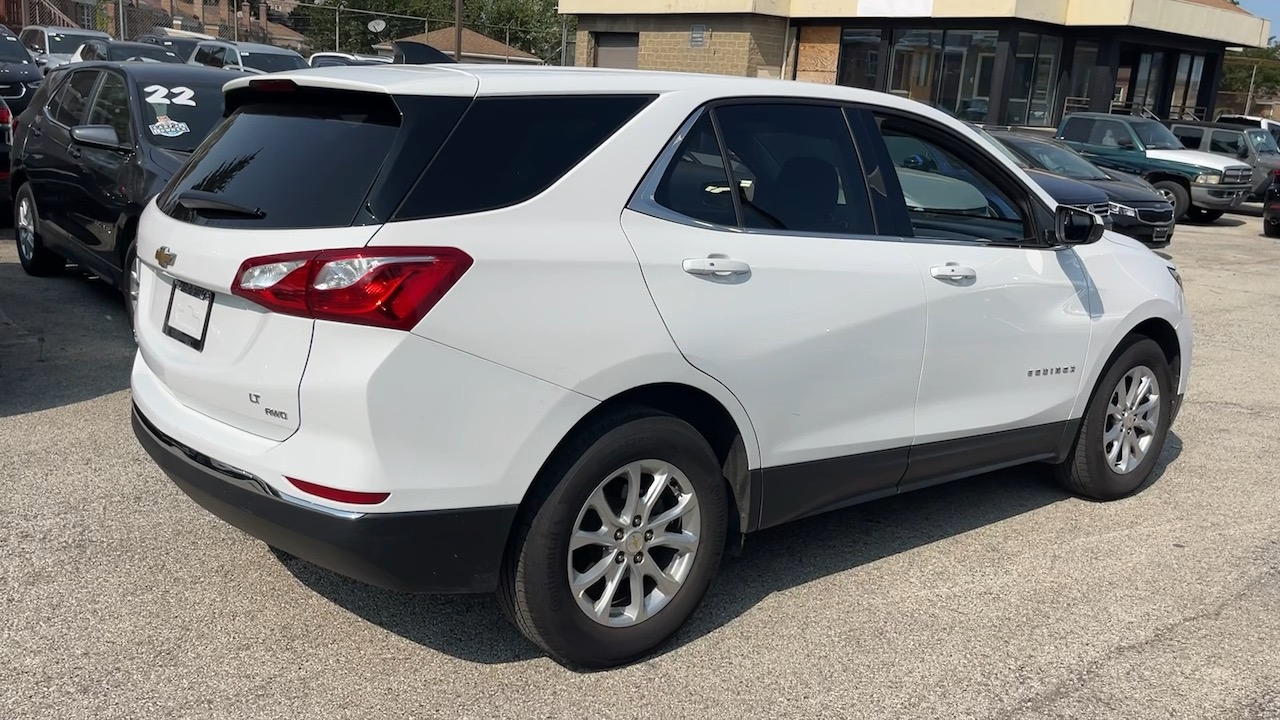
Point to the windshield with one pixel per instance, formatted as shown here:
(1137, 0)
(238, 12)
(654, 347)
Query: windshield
(1061, 161)
(151, 52)
(1263, 142)
(68, 43)
(13, 51)
(272, 62)
(1156, 136)
(179, 117)
(1004, 150)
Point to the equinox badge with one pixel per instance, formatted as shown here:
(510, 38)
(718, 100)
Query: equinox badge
(164, 257)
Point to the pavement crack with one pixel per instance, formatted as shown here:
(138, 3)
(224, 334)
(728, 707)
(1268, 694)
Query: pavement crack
(1076, 680)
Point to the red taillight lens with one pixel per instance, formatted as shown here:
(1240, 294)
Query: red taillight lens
(6, 117)
(385, 287)
(346, 496)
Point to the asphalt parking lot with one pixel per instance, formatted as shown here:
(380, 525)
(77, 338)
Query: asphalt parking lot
(996, 597)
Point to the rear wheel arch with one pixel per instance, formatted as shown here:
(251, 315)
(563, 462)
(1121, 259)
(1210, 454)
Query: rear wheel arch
(693, 405)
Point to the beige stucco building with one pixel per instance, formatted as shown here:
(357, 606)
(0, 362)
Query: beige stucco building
(1007, 62)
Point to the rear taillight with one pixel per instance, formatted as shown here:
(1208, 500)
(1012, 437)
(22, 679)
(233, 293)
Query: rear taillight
(385, 287)
(6, 117)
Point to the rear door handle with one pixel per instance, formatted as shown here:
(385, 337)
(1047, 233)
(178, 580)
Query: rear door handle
(722, 267)
(951, 271)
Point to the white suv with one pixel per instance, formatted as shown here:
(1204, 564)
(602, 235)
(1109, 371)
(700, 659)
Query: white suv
(469, 329)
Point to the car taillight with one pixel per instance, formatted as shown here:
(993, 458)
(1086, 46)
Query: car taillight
(6, 117)
(385, 287)
(347, 496)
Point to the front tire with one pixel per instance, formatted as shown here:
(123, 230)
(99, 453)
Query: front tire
(1176, 194)
(35, 258)
(1270, 229)
(622, 537)
(1125, 425)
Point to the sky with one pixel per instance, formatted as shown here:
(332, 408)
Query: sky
(1267, 9)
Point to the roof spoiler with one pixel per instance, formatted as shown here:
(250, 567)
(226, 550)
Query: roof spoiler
(408, 52)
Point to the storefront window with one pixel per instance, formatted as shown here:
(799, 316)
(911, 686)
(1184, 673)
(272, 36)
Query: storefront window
(1035, 80)
(860, 58)
(1084, 64)
(968, 67)
(916, 55)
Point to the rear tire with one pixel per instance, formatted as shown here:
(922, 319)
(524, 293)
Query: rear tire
(1271, 229)
(1176, 194)
(35, 258)
(1124, 427)
(631, 561)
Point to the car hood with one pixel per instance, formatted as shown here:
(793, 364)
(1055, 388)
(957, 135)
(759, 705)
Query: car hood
(1126, 191)
(1195, 157)
(1067, 191)
(19, 72)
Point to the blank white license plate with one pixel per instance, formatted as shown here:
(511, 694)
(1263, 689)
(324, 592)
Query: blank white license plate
(187, 319)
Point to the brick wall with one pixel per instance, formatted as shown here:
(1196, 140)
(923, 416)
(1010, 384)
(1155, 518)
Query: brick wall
(747, 45)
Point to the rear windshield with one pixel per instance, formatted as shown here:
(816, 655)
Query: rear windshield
(11, 51)
(300, 165)
(149, 52)
(271, 62)
(67, 43)
(180, 116)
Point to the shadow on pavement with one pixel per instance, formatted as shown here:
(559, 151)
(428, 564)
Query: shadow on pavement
(63, 339)
(472, 628)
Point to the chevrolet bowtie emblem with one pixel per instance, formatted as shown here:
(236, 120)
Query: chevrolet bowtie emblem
(164, 257)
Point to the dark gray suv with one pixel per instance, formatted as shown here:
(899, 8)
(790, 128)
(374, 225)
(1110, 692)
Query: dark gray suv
(1251, 145)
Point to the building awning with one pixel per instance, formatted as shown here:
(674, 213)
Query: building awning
(1218, 20)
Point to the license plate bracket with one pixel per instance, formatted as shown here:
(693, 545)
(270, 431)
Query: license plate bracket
(186, 319)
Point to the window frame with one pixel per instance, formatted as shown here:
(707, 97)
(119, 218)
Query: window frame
(1038, 218)
(643, 198)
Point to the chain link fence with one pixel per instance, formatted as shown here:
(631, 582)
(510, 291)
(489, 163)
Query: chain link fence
(308, 27)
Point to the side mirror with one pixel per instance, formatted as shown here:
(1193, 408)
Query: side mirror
(100, 136)
(41, 60)
(1243, 154)
(1077, 227)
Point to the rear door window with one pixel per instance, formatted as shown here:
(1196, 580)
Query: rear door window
(72, 98)
(508, 149)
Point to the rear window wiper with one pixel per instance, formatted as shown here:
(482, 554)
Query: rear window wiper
(202, 202)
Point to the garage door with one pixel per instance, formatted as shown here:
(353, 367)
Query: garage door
(618, 50)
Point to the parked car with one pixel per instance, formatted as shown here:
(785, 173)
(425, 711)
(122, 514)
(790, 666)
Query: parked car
(182, 46)
(396, 376)
(96, 144)
(52, 46)
(19, 73)
(1254, 146)
(1271, 209)
(332, 59)
(1137, 208)
(121, 51)
(1271, 126)
(1200, 185)
(249, 57)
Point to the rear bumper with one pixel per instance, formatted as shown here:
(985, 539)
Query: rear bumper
(442, 551)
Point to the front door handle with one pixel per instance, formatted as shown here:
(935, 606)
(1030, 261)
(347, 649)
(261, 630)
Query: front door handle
(951, 271)
(722, 267)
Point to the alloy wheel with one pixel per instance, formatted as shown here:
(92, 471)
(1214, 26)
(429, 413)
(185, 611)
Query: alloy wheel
(1133, 415)
(634, 543)
(26, 227)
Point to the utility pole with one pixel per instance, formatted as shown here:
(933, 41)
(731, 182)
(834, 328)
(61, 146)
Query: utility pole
(457, 30)
(564, 39)
(1248, 104)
